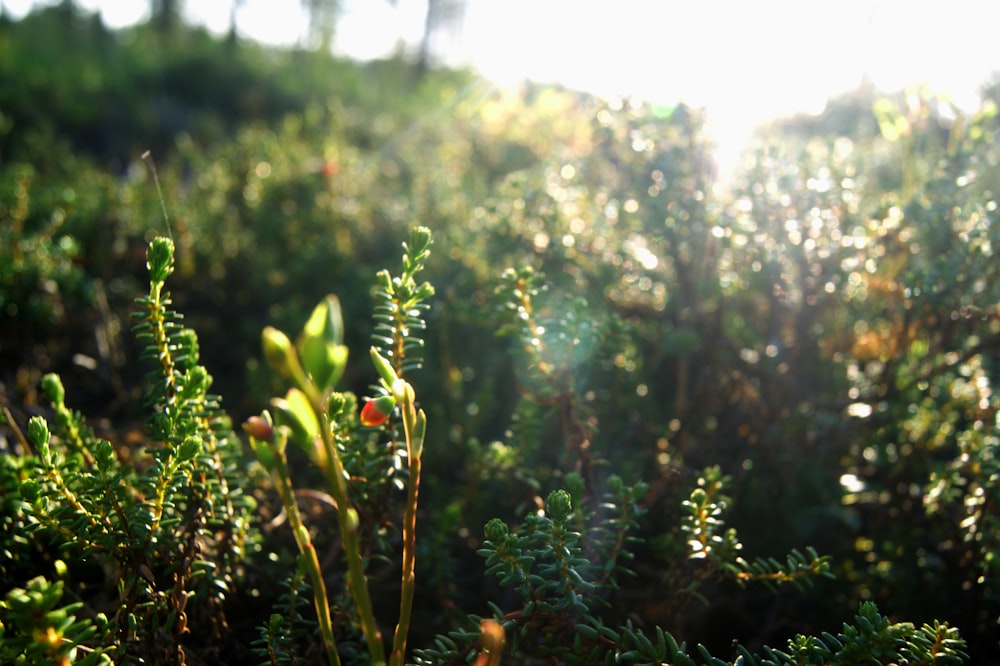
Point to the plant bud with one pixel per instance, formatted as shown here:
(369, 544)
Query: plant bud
(278, 350)
(558, 506)
(496, 530)
(402, 391)
(384, 368)
(493, 638)
(351, 519)
(53, 388)
(259, 428)
(335, 405)
(377, 411)
(38, 431)
(160, 259)
(189, 448)
(417, 445)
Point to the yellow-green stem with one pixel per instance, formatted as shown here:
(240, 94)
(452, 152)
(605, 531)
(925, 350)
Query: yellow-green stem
(357, 583)
(308, 552)
(414, 448)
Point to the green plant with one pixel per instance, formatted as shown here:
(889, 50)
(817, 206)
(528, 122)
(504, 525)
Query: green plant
(822, 327)
(323, 423)
(562, 588)
(36, 629)
(39, 272)
(172, 529)
(175, 541)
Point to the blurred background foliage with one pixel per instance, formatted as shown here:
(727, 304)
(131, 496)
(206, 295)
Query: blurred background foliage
(824, 324)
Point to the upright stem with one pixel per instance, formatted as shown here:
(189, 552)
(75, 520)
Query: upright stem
(308, 552)
(357, 583)
(413, 427)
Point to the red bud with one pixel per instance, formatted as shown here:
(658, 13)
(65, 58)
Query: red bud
(259, 428)
(377, 411)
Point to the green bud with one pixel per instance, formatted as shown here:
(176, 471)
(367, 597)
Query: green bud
(278, 350)
(417, 444)
(351, 520)
(160, 259)
(384, 280)
(558, 506)
(105, 453)
(196, 382)
(496, 530)
(574, 485)
(336, 404)
(53, 389)
(38, 432)
(420, 239)
(384, 368)
(30, 489)
(402, 391)
(189, 448)
(424, 291)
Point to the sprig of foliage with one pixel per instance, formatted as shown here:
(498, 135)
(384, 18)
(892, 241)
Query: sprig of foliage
(542, 561)
(39, 270)
(173, 530)
(282, 635)
(400, 304)
(870, 639)
(559, 566)
(324, 424)
(710, 540)
(554, 344)
(36, 628)
(564, 562)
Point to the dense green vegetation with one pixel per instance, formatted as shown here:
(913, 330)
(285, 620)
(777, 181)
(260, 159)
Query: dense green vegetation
(805, 353)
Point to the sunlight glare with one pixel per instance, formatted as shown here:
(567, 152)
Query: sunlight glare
(744, 62)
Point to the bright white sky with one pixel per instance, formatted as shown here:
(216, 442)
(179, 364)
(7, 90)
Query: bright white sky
(745, 60)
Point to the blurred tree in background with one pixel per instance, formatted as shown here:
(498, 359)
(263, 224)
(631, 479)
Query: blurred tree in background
(323, 15)
(165, 15)
(442, 15)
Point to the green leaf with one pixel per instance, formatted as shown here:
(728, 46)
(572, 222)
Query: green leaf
(320, 345)
(296, 412)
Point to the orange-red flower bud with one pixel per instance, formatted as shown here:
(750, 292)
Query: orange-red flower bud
(377, 411)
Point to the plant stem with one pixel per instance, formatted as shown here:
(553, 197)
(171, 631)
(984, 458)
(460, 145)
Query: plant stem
(308, 552)
(413, 428)
(357, 583)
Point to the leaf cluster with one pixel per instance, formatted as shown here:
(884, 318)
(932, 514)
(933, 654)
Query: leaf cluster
(173, 530)
(400, 304)
(36, 627)
(709, 539)
(558, 620)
